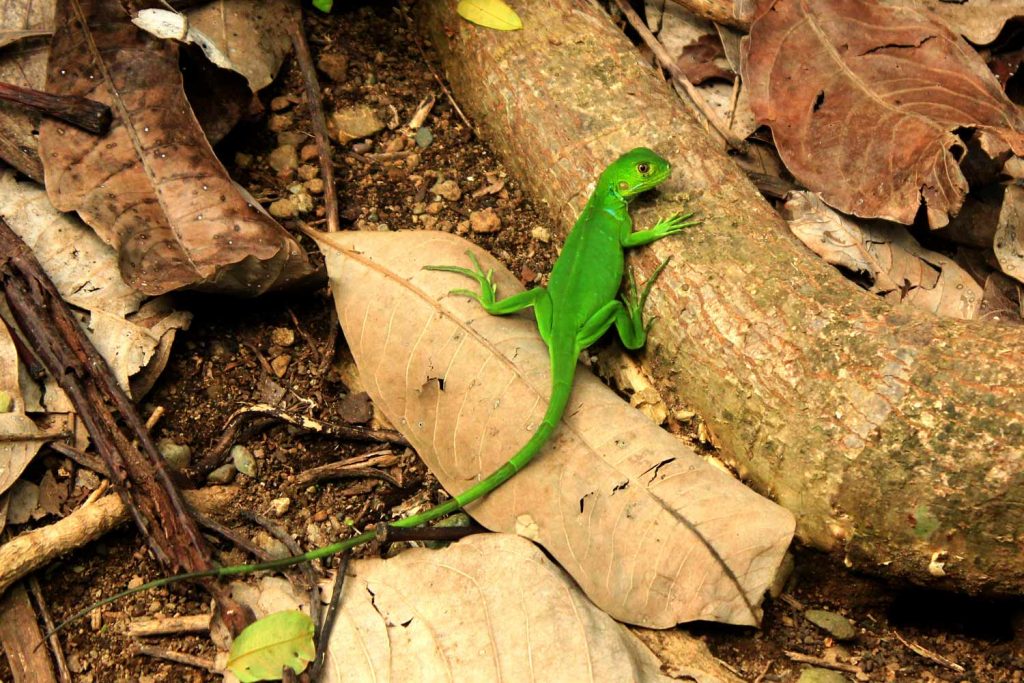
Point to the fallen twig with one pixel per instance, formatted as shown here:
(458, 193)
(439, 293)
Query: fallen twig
(667, 63)
(162, 626)
(929, 654)
(823, 663)
(178, 657)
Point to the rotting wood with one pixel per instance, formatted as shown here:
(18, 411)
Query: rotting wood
(896, 437)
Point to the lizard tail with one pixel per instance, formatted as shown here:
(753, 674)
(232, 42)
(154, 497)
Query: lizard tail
(563, 369)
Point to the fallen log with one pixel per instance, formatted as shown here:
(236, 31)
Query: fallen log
(896, 437)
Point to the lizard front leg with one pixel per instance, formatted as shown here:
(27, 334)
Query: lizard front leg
(663, 228)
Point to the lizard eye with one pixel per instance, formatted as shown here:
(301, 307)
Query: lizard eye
(643, 168)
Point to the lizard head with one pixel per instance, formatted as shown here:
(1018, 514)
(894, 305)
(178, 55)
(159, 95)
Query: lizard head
(636, 171)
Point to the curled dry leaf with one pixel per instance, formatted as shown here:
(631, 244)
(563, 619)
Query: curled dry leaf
(901, 270)
(865, 102)
(24, 64)
(1009, 238)
(21, 435)
(133, 335)
(152, 187)
(491, 607)
(652, 534)
(979, 21)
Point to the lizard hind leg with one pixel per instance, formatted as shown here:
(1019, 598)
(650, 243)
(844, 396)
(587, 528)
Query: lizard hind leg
(629, 321)
(488, 294)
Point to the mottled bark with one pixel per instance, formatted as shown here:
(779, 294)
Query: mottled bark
(896, 437)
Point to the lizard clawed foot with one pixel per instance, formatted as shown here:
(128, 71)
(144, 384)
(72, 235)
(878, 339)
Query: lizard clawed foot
(674, 224)
(635, 303)
(488, 292)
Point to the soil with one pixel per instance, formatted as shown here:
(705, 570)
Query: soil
(284, 349)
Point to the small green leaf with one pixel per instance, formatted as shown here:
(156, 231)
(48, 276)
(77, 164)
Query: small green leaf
(268, 645)
(324, 5)
(490, 13)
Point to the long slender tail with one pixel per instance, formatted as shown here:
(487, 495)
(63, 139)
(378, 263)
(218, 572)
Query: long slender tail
(563, 370)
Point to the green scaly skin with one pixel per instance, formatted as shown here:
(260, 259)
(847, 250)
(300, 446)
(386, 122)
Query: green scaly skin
(576, 308)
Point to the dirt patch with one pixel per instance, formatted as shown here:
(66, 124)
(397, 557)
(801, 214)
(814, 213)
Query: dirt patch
(283, 349)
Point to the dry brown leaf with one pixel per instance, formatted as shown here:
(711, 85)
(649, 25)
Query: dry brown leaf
(251, 37)
(491, 607)
(900, 269)
(131, 333)
(152, 187)
(1009, 238)
(979, 21)
(652, 534)
(864, 102)
(20, 441)
(23, 64)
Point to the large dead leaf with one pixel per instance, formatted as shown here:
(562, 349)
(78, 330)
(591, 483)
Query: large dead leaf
(1008, 243)
(152, 187)
(864, 102)
(980, 21)
(652, 534)
(901, 270)
(20, 441)
(133, 333)
(491, 607)
(23, 63)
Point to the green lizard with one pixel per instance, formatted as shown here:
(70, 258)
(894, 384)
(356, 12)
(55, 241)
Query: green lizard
(576, 308)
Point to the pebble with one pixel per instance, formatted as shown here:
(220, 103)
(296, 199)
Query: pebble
(291, 137)
(135, 581)
(315, 186)
(428, 222)
(541, 234)
(484, 221)
(178, 456)
(308, 171)
(243, 460)
(364, 147)
(283, 159)
(334, 66)
(243, 160)
(308, 152)
(448, 189)
(284, 208)
(275, 548)
(279, 122)
(280, 506)
(225, 474)
(355, 122)
(303, 202)
(279, 364)
(424, 136)
(280, 103)
(433, 208)
(815, 675)
(837, 625)
(282, 336)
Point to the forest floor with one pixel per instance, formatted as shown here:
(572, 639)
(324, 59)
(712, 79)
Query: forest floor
(281, 349)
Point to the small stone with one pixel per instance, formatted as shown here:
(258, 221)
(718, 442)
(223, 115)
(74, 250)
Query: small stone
(284, 158)
(364, 147)
(433, 208)
(428, 222)
(243, 460)
(225, 474)
(279, 122)
(275, 548)
(309, 152)
(527, 274)
(154, 607)
(837, 625)
(177, 455)
(243, 160)
(315, 186)
(280, 506)
(396, 144)
(280, 103)
(279, 364)
(356, 409)
(284, 208)
(484, 221)
(351, 123)
(412, 161)
(334, 66)
(541, 234)
(424, 136)
(308, 171)
(136, 581)
(448, 189)
(320, 516)
(282, 336)
(814, 674)
(462, 228)
(303, 202)
(290, 137)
